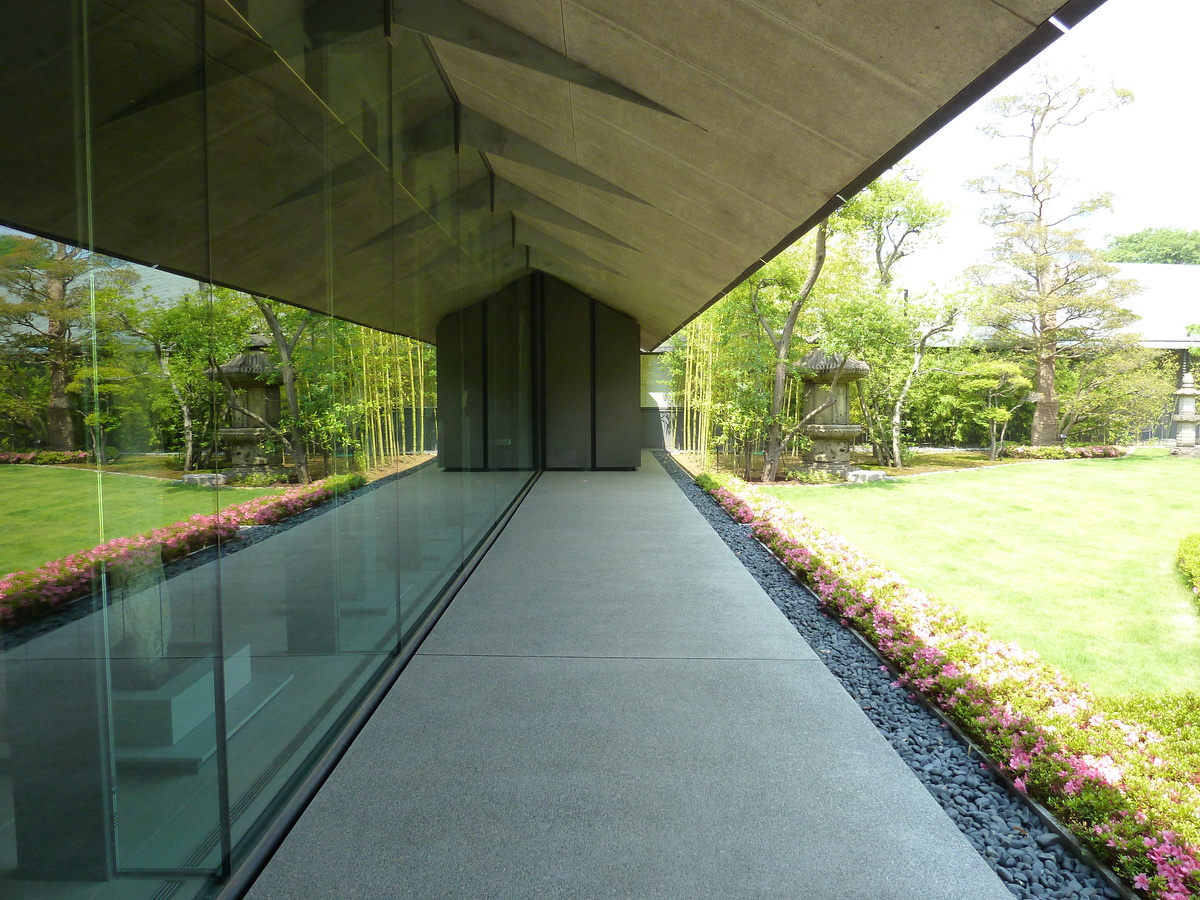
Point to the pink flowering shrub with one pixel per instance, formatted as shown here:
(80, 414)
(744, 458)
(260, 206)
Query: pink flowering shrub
(1103, 775)
(44, 457)
(1097, 452)
(27, 596)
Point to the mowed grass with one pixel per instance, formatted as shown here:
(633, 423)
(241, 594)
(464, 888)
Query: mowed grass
(1073, 559)
(48, 512)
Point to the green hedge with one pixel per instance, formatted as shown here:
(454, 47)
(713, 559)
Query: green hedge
(1101, 451)
(1189, 560)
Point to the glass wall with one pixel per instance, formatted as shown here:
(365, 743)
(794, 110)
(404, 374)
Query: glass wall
(228, 227)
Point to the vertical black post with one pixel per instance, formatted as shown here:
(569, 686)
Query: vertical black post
(537, 321)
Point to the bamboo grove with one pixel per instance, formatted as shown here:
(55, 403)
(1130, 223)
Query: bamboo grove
(92, 357)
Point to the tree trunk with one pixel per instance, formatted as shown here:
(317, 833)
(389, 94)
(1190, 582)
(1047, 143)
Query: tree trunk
(185, 409)
(288, 373)
(783, 346)
(1045, 412)
(60, 428)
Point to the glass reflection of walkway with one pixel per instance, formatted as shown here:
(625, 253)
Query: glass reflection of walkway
(114, 783)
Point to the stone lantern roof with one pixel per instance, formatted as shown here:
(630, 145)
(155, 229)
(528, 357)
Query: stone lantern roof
(821, 367)
(250, 367)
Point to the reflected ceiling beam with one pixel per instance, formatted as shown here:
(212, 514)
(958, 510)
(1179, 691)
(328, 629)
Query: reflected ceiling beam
(457, 22)
(474, 129)
(480, 132)
(487, 241)
(247, 57)
(498, 194)
(544, 243)
(361, 167)
(512, 233)
(519, 200)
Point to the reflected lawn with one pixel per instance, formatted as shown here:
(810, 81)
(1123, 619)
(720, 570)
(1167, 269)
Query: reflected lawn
(48, 512)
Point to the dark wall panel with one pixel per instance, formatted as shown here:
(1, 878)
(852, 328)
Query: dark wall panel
(461, 389)
(568, 375)
(618, 390)
(449, 392)
(510, 390)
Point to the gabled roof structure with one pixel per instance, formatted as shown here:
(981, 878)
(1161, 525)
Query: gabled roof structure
(650, 154)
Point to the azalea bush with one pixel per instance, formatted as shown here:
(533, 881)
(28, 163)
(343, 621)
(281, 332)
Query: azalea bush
(1126, 790)
(28, 596)
(1189, 560)
(44, 457)
(1097, 452)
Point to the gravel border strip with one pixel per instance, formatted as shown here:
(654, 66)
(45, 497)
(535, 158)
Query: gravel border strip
(1035, 860)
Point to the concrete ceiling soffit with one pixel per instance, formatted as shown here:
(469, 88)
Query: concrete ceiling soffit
(544, 243)
(457, 22)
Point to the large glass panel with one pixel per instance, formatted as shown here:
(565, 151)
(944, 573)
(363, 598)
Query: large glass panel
(228, 217)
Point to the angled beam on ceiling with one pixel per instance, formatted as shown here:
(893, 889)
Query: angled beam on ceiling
(513, 233)
(544, 243)
(522, 201)
(457, 22)
(474, 129)
(499, 194)
(482, 133)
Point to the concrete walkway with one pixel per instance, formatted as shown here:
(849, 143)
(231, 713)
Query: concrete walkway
(612, 708)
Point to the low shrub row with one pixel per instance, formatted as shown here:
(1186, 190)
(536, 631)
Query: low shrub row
(28, 596)
(44, 457)
(1129, 793)
(1097, 452)
(1189, 560)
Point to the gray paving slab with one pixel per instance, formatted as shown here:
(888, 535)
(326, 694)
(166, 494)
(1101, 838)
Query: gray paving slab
(701, 752)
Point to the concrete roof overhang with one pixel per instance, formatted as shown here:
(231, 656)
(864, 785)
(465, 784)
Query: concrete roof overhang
(650, 154)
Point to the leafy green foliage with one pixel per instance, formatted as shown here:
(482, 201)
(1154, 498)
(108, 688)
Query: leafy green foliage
(1163, 246)
(1096, 452)
(806, 476)
(1189, 561)
(343, 484)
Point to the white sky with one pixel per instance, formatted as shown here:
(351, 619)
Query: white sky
(1146, 153)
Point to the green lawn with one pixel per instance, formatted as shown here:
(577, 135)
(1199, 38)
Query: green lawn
(1073, 559)
(48, 512)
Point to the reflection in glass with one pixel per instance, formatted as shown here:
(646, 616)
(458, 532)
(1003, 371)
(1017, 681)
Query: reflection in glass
(174, 656)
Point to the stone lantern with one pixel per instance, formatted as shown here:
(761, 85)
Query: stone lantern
(1186, 417)
(248, 378)
(830, 430)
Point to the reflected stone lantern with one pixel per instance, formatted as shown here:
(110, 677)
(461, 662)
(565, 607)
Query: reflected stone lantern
(1186, 417)
(249, 380)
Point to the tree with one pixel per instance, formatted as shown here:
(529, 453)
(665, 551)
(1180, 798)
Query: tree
(285, 346)
(48, 292)
(993, 391)
(1116, 395)
(893, 217)
(783, 280)
(1173, 246)
(1050, 295)
(184, 334)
